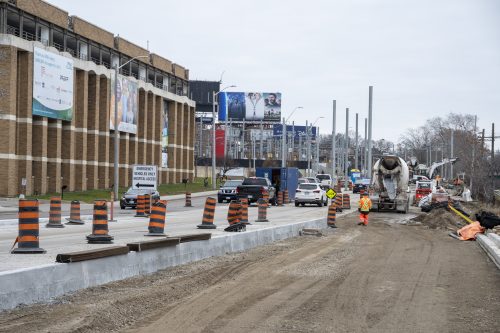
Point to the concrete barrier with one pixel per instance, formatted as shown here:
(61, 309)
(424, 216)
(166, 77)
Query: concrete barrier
(42, 283)
(489, 245)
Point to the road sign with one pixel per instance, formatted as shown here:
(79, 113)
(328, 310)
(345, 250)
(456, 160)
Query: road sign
(23, 182)
(144, 177)
(331, 193)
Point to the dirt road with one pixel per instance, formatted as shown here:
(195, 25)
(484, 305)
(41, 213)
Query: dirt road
(385, 277)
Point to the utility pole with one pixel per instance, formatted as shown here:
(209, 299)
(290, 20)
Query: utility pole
(452, 155)
(307, 148)
(243, 140)
(317, 150)
(356, 166)
(334, 170)
(365, 153)
(292, 141)
(473, 154)
(346, 166)
(370, 121)
(492, 143)
(283, 145)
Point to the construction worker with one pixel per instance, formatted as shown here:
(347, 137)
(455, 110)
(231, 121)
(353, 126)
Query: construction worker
(364, 208)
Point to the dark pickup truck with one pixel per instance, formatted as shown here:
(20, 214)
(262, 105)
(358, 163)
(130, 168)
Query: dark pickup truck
(253, 188)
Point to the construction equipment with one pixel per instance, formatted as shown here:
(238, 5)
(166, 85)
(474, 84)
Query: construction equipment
(436, 165)
(390, 185)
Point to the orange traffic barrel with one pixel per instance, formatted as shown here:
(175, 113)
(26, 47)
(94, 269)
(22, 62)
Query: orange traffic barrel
(100, 224)
(74, 215)
(244, 211)
(280, 198)
(285, 197)
(265, 196)
(139, 208)
(234, 212)
(338, 202)
(262, 212)
(147, 204)
(208, 215)
(332, 215)
(55, 213)
(188, 200)
(346, 201)
(156, 225)
(29, 228)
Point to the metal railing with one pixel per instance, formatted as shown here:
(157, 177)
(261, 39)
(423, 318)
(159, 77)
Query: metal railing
(43, 41)
(13, 30)
(28, 36)
(59, 47)
(71, 51)
(82, 56)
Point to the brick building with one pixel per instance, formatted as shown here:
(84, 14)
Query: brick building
(40, 154)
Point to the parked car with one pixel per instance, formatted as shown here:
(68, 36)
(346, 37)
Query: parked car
(310, 193)
(253, 188)
(311, 179)
(129, 198)
(325, 179)
(227, 192)
(360, 184)
(302, 181)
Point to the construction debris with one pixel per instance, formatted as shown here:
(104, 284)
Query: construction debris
(310, 232)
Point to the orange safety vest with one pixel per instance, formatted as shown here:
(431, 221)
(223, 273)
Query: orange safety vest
(365, 204)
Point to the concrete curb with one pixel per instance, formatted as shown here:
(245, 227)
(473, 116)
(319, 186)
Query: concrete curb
(42, 283)
(489, 243)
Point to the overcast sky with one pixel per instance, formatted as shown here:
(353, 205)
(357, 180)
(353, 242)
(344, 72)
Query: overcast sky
(425, 58)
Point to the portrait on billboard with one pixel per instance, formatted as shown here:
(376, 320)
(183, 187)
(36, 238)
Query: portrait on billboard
(254, 106)
(236, 106)
(126, 95)
(272, 103)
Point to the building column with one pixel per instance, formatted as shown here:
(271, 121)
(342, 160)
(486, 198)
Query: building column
(103, 133)
(178, 142)
(54, 129)
(172, 152)
(123, 159)
(150, 158)
(8, 96)
(142, 126)
(24, 121)
(93, 132)
(39, 151)
(80, 117)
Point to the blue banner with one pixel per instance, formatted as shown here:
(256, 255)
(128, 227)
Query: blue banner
(297, 130)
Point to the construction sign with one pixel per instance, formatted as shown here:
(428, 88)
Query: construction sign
(331, 193)
(144, 177)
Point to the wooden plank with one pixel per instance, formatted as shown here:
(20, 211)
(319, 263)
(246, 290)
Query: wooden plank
(193, 237)
(153, 244)
(91, 254)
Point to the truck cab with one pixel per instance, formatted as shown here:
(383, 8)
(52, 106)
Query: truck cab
(423, 188)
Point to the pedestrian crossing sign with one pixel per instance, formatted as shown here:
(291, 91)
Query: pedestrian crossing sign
(331, 193)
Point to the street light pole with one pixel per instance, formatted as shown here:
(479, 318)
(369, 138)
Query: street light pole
(115, 134)
(283, 145)
(214, 94)
(333, 137)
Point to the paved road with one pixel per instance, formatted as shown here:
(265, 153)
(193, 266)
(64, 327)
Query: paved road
(175, 205)
(386, 277)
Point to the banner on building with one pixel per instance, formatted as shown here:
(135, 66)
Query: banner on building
(164, 135)
(219, 143)
(126, 91)
(250, 106)
(298, 131)
(52, 85)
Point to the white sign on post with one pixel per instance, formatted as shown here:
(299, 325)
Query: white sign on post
(144, 177)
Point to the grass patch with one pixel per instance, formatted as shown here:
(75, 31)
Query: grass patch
(91, 195)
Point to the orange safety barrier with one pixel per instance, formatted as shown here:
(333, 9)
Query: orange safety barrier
(207, 221)
(100, 224)
(265, 196)
(29, 228)
(346, 201)
(140, 206)
(156, 225)
(244, 211)
(74, 215)
(286, 199)
(332, 215)
(188, 200)
(234, 212)
(262, 214)
(338, 202)
(280, 198)
(55, 213)
(147, 204)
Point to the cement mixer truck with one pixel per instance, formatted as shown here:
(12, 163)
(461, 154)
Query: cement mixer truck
(390, 185)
